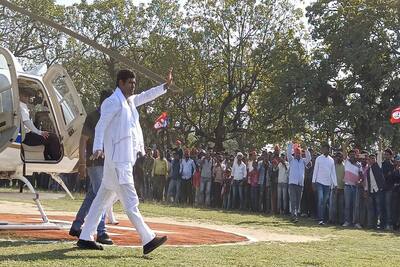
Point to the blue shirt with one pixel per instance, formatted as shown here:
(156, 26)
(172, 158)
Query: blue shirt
(297, 167)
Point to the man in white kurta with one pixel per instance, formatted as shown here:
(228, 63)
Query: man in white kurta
(119, 135)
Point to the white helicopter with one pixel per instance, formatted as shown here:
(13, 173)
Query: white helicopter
(55, 107)
(59, 110)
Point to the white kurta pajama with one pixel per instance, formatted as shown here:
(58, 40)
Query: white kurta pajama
(118, 132)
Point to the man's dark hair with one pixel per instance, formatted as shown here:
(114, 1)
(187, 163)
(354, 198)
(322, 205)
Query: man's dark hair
(326, 145)
(124, 75)
(389, 151)
(103, 95)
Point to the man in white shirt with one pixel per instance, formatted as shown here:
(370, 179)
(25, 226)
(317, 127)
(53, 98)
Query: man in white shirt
(34, 136)
(283, 175)
(239, 174)
(119, 135)
(324, 179)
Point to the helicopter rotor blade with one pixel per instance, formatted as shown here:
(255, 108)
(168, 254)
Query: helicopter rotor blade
(126, 61)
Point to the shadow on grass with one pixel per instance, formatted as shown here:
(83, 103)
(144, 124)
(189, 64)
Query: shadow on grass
(60, 254)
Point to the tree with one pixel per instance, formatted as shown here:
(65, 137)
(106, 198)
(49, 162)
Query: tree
(357, 65)
(228, 48)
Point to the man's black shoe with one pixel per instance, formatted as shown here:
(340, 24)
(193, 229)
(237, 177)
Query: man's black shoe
(74, 232)
(153, 244)
(84, 244)
(104, 239)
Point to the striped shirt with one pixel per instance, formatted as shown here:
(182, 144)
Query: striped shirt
(351, 176)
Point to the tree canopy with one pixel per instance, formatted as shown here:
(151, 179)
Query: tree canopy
(252, 72)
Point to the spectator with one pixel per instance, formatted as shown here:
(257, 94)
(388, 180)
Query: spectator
(239, 173)
(254, 190)
(218, 177)
(148, 163)
(396, 192)
(139, 175)
(226, 188)
(188, 167)
(388, 169)
(196, 184)
(283, 172)
(375, 186)
(308, 200)
(324, 179)
(297, 166)
(159, 174)
(352, 177)
(363, 213)
(336, 200)
(174, 187)
(264, 185)
(206, 166)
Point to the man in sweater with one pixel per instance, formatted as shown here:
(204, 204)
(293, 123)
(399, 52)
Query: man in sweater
(352, 177)
(324, 179)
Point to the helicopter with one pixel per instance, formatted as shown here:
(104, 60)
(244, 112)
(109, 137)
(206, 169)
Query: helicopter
(57, 109)
(55, 106)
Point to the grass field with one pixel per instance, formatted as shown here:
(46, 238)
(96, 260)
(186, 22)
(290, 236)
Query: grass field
(341, 247)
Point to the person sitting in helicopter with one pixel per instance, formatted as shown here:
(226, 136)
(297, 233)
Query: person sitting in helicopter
(34, 136)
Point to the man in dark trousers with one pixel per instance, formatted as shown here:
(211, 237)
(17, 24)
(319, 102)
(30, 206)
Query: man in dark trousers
(94, 168)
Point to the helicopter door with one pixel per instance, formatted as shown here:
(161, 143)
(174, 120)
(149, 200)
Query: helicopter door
(9, 99)
(70, 113)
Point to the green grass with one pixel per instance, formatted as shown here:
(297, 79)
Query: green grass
(343, 247)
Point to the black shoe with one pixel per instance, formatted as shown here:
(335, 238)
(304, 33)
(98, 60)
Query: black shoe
(153, 244)
(74, 232)
(84, 244)
(104, 239)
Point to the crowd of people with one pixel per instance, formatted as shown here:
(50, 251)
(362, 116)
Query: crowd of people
(349, 187)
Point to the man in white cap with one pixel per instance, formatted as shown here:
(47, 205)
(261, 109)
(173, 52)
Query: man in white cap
(119, 138)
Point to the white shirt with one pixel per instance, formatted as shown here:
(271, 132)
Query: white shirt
(374, 185)
(115, 135)
(239, 172)
(325, 171)
(283, 172)
(28, 124)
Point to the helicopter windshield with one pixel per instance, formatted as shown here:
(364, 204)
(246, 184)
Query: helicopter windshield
(69, 109)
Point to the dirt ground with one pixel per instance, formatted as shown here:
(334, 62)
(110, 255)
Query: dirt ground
(180, 232)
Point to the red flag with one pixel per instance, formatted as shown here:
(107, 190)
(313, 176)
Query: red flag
(395, 118)
(162, 121)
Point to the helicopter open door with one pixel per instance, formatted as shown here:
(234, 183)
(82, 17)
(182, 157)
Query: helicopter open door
(70, 113)
(9, 99)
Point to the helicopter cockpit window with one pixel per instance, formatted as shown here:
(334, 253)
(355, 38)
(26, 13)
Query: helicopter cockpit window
(5, 93)
(69, 109)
